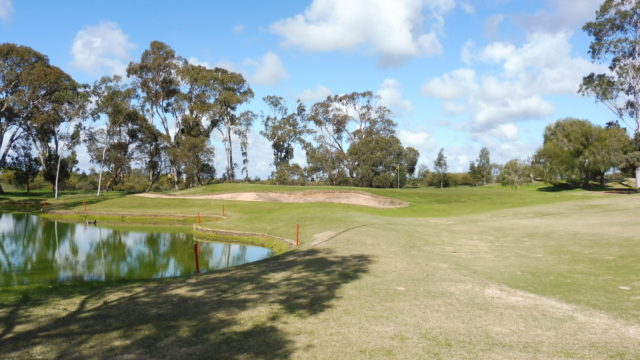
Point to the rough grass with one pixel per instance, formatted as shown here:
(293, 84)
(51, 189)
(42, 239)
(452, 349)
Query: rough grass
(463, 273)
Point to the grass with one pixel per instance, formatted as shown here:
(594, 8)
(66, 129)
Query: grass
(462, 273)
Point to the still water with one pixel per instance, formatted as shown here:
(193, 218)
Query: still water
(36, 250)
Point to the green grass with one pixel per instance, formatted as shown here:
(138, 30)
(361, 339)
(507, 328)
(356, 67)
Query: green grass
(462, 273)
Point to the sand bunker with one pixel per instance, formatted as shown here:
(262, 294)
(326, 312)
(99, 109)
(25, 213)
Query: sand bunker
(340, 197)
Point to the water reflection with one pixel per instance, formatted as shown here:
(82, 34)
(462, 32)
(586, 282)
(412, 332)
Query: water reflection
(34, 250)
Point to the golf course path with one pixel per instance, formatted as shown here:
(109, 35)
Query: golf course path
(340, 197)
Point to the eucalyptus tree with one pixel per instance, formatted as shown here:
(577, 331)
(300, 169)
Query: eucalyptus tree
(576, 151)
(440, 167)
(23, 163)
(381, 161)
(156, 77)
(234, 91)
(283, 128)
(342, 120)
(245, 120)
(110, 146)
(616, 41)
(16, 100)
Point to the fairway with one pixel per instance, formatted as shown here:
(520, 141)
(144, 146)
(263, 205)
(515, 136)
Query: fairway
(460, 273)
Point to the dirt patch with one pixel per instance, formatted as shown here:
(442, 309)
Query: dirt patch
(339, 197)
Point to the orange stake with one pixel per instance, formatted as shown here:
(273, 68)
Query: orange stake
(84, 204)
(297, 234)
(222, 210)
(196, 250)
(198, 217)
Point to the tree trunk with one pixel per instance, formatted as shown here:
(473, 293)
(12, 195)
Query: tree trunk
(57, 175)
(104, 152)
(602, 180)
(174, 175)
(230, 174)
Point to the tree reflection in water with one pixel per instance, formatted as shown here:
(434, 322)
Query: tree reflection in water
(35, 250)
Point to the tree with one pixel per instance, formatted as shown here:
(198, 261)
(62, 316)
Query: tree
(376, 160)
(283, 129)
(577, 151)
(24, 165)
(245, 120)
(110, 146)
(440, 167)
(234, 91)
(616, 41)
(480, 171)
(342, 120)
(18, 96)
(515, 173)
(156, 77)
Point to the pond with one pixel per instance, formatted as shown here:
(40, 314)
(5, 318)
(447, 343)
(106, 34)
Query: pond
(36, 250)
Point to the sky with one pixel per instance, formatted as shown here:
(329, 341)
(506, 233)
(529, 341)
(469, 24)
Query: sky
(457, 74)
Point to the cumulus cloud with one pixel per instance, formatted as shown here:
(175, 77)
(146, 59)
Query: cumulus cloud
(102, 48)
(563, 15)
(492, 25)
(391, 97)
(453, 85)
(6, 10)
(269, 70)
(314, 95)
(542, 66)
(393, 30)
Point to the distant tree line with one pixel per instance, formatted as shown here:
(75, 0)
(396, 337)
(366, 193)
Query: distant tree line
(159, 123)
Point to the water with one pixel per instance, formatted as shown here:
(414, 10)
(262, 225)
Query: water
(35, 250)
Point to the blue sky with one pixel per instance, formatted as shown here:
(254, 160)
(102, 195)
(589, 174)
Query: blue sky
(458, 74)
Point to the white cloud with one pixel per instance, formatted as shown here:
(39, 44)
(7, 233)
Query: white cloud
(416, 139)
(238, 28)
(563, 16)
(542, 66)
(453, 85)
(467, 7)
(393, 30)
(492, 25)
(391, 97)
(465, 54)
(454, 108)
(6, 10)
(314, 95)
(102, 48)
(269, 70)
(505, 131)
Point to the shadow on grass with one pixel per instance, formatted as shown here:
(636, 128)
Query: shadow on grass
(230, 314)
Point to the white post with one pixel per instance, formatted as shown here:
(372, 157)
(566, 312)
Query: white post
(638, 177)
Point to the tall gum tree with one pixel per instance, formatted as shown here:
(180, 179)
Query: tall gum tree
(16, 101)
(616, 41)
(156, 77)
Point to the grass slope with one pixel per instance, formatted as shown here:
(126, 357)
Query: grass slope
(462, 273)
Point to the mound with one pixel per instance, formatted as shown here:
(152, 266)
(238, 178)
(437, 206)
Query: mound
(331, 196)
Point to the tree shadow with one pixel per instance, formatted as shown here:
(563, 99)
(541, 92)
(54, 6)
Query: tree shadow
(229, 314)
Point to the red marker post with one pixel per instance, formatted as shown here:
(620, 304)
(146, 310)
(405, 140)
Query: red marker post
(297, 234)
(195, 252)
(84, 204)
